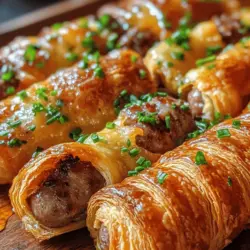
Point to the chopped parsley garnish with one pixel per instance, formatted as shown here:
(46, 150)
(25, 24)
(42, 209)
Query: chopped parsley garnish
(111, 42)
(200, 158)
(236, 124)
(110, 125)
(22, 94)
(161, 177)
(37, 152)
(103, 21)
(10, 90)
(222, 133)
(205, 60)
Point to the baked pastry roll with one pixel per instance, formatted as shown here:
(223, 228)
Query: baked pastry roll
(27, 60)
(51, 192)
(194, 197)
(44, 115)
(170, 60)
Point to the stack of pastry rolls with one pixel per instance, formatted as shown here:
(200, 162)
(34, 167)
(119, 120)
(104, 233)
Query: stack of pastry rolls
(51, 192)
(44, 114)
(194, 197)
(27, 60)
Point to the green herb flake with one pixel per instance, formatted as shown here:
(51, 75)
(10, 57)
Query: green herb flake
(42, 93)
(142, 74)
(10, 90)
(134, 58)
(161, 177)
(22, 94)
(71, 56)
(210, 51)
(4, 133)
(110, 125)
(98, 72)
(75, 133)
(82, 138)
(32, 127)
(124, 149)
(140, 161)
(8, 75)
(203, 61)
(15, 142)
(134, 152)
(95, 137)
(229, 181)
(236, 124)
(14, 124)
(177, 55)
(200, 159)
(132, 173)
(57, 26)
(168, 121)
(37, 152)
(30, 53)
(128, 143)
(222, 133)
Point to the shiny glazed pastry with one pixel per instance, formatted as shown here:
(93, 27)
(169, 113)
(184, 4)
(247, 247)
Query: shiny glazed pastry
(51, 192)
(194, 197)
(45, 114)
(27, 60)
(170, 60)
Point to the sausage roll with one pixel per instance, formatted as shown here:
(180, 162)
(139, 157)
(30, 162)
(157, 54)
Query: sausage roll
(27, 60)
(194, 197)
(51, 192)
(81, 96)
(170, 60)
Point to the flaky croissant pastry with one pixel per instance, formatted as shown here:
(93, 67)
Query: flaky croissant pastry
(194, 197)
(45, 114)
(51, 192)
(170, 60)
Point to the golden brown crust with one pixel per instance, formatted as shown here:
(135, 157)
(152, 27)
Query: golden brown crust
(85, 99)
(193, 207)
(105, 155)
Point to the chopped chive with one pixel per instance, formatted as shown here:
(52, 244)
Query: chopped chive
(95, 138)
(14, 124)
(142, 74)
(132, 173)
(161, 177)
(10, 90)
(200, 158)
(167, 121)
(134, 58)
(59, 103)
(22, 94)
(140, 161)
(128, 143)
(236, 124)
(53, 93)
(169, 64)
(8, 75)
(30, 53)
(110, 125)
(75, 133)
(32, 127)
(203, 61)
(98, 72)
(134, 152)
(56, 26)
(139, 168)
(124, 92)
(222, 133)
(229, 181)
(62, 119)
(42, 93)
(71, 56)
(124, 149)
(4, 133)
(82, 138)
(162, 94)
(147, 164)
(173, 106)
(184, 107)
(37, 107)
(178, 55)
(211, 66)
(213, 50)
(37, 152)
(111, 42)
(15, 142)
